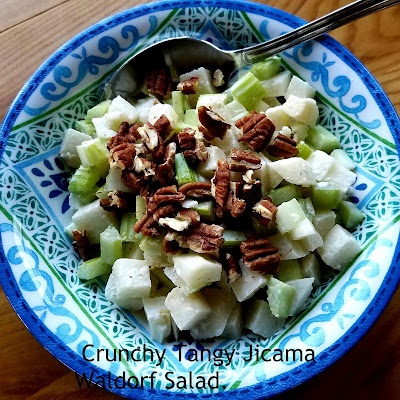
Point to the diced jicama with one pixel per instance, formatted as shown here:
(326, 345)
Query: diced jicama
(324, 221)
(294, 170)
(289, 270)
(308, 208)
(234, 326)
(277, 85)
(299, 88)
(248, 91)
(221, 301)
(304, 150)
(197, 271)
(191, 118)
(143, 107)
(107, 126)
(350, 216)
(230, 140)
(267, 68)
(98, 110)
(248, 283)
(68, 152)
(236, 109)
(268, 177)
(343, 159)
(280, 296)
(302, 110)
(325, 196)
(289, 215)
(321, 139)
(340, 177)
(171, 274)
(114, 182)
(310, 268)
(187, 310)
(110, 245)
(339, 249)
(278, 116)
(158, 317)
(260, 320)
(154, 252)
(184, 173)
(93, 268)
(320, 163)
(288, 249)
(132, 250)
(299, 130)
(205, 82)
(208, 168)
(305, 231)
(303, 288)
(94, 220)
(160, 109)
(121, 105)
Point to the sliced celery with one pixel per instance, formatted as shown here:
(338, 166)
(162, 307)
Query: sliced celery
(84, 180)
(132, 249)
(325, 197)
(184, 173)
(110, 245)
(85, 127)
(152, 246)
(205, 209)
(233, 238)
(98, 111)
(289, 270)
(162, 278)
(304, 150)
(284, 193)
(140, 207)
(180, 102)
(93, 268)
(190, 118)
(126, 228)
(262, 230)
(93, 153)
(280, 296)
(266, 69)
(350, 215)
(321, 139)
(248, 91)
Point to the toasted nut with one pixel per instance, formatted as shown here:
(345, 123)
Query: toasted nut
(232, 268)
(242, 161)
(82, 245)
(213, 125)
(163, 126)
(123, 155)
(259, 255)
(118, 201)
(220, 183)
(189, 86)
(126, 134)
(159, 81)
(184, 219)
(196, 190)
(166, 169)
(150, 136)
(151, 227)
(132, 180)
(205, 239)
(265, 211)
(283, 147)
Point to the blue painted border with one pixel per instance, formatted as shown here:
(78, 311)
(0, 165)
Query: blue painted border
(264, 389)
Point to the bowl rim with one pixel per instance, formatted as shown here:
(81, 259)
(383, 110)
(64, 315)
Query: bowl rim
(290, 379)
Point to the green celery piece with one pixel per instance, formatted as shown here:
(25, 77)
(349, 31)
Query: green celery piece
(180, 102)
(94, 153)
(205, 209)
(266, 69)
(284, 193)
(321, 139)
(349, 214)
(289, 270)
(260, 229)
(110, 245)
(248, 91)
(84, 180)
(85, 127)
(280, 297)
(126, 228)
(98, 111)
(152, 245)
(93, 268)
(325, 197)
(162, 278)
(140, 207)
(233, 238)
(184, 173)
(88, 197)
(304, 150)
(190, 118)
(132, 249)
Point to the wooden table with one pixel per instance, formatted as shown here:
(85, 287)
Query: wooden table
(29, 32)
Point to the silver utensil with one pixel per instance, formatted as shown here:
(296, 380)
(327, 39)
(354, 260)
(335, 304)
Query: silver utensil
(185, 54)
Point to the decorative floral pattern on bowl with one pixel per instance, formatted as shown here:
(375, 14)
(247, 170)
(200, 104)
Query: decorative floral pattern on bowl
(38, 265)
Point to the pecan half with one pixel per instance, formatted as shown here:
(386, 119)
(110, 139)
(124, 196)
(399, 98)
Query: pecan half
(122, 156)
(132, 180)
(163, 126)
(196, 190)
(241, 161)
(205, 239)
(259, 255)
(232, 268)
(166, 169)
(257, 130)
(126, 134)
(283, 147)
(118, 201)
(159, 81)
(220, 184)
(167, 194)
(213, 125)
(235, 204)
(149, 135)
(184, 219)
(143, 165)
(190, 86)
(82, 245)
(152, 227)
(265, 211)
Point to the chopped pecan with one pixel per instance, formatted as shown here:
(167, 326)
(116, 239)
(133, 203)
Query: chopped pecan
(152, 227)
(167, 194)
(145, 166)
(213, 125)
(159, 81)
(187, 139)
(122, 156)
(132, 180)
(205, 239)
(265, 211)
(259, 255)
(232, 268)
(283, 147)
(184, 219)
(163, 126)
(190, 86)
(166, 169)
(82, 245)
(170, 244)
(257, 130)
(196, 190)
(158, 152)
(220, 184)
(118, 201)
(235, 204)
(193, 150)
(150, 136)
(125, 134)
(241, 161)
(218, 78)
(252, 192)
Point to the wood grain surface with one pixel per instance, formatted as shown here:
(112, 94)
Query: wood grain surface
(30, 31)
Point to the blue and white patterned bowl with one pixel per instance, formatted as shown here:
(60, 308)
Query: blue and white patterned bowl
(38, 265)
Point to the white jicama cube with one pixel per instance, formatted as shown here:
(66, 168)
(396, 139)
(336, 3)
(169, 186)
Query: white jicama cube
(280, 296)
(187, 310)
(171, 274)
(107, 126)
(234, 326)
(299, 88)
(303, 289)
(143, 107)
(236, 109)
(230, 140)
(158, 110)
(302, 110)
(114, 182)
(278, 84)
(123, 106)
(289, 215)
(294, 170)
(343, 159)
(205, 81)
(324, 221)
(272, 101)
(94, 220)
(310, 268)
(340, 177)
(268, 177)
(278, 116)
(248, 283)
(320, 163)
(158, 317)
(308, 235)
(216, 102)
(208, 168)
(339, 249)
(261, 107)
(197, 271)
(299, 130)
(260, 320)
(68, 152)
(288, 249)
(222, 303)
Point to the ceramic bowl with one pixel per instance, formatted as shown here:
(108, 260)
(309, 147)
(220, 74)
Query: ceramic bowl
(38, 264)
